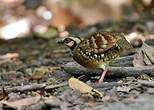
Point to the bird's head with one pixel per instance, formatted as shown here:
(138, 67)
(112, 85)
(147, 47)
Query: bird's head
(71, 42)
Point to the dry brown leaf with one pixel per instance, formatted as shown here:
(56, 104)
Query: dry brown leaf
(62, 17)
(149, 52)
(42, 71)
(11, 56)
(8, 57)
(138, 60)
(145, 56)
(23, 102)
(84, 88)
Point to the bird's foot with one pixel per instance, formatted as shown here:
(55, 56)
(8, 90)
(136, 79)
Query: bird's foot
(102, 77)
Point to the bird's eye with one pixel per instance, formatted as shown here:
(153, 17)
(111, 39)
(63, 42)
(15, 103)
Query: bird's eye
(67, 40)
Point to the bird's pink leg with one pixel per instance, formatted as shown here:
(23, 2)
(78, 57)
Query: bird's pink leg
(102, 76)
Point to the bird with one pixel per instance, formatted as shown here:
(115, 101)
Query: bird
(99, 49)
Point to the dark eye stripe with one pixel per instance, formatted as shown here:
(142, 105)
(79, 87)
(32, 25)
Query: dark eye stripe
(67, 40)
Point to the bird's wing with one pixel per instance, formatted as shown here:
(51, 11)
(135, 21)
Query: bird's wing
(100, 42)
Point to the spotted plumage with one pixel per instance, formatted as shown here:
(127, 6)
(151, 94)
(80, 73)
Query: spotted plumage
(98, 49)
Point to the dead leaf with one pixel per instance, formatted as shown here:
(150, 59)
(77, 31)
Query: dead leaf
(84, 88)
(23, 102)
(39, 72)
(144, 77)
(138, 60)
(8, 57)
(62, 17)
(144, 57)
(149, 52)
(123, 89)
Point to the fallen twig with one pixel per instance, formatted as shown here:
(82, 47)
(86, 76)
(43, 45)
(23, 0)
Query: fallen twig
(25, 88)
(77, 70)
(123, 61)
(33, 87)
(146, 83)
(49, 87)
(105, 86)
(130, 71)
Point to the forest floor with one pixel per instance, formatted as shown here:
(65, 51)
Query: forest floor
(32, 77)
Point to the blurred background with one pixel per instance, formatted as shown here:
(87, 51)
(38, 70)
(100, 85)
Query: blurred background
(31, 54)
(52, 18)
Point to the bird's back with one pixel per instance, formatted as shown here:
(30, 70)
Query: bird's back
(99, 49)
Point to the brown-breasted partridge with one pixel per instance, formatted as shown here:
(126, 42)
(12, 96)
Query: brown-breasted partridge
(99, 49)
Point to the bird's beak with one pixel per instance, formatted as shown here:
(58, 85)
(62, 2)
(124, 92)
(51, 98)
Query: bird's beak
(61, 41)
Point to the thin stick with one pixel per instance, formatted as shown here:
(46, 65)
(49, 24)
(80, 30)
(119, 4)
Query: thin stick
(33, 87)
(114, 72)
(123, 61)
(146, 83)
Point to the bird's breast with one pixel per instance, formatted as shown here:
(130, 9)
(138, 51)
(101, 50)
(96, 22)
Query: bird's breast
(91, 59)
